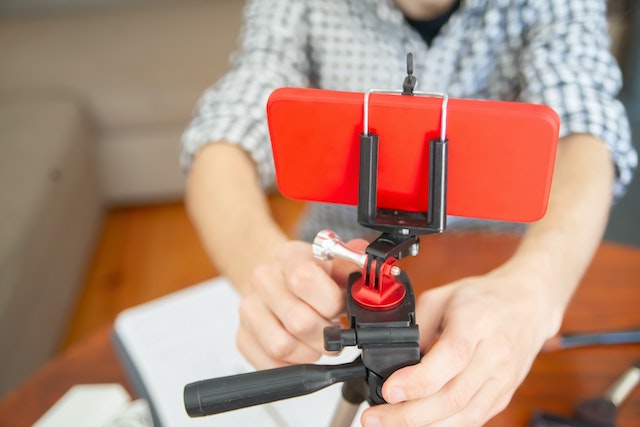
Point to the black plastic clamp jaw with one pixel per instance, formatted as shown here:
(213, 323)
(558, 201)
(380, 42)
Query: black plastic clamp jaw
(397, 221)
(402, 222)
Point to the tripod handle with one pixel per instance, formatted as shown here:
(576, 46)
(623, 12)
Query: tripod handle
(218, 395)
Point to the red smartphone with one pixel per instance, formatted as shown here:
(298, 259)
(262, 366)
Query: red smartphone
(500, 154)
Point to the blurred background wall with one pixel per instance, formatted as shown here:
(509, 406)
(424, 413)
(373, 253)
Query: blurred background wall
(624, 223)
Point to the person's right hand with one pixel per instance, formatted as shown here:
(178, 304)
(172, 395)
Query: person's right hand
(288, 303)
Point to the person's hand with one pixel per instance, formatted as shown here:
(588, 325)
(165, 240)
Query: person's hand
(481, 335)
(288, 304)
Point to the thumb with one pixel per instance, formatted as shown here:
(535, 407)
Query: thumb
(430, 308)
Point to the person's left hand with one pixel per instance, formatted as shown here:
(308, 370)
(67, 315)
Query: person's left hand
(480, 335)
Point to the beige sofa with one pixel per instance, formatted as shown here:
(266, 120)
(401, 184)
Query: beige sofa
(92, 103)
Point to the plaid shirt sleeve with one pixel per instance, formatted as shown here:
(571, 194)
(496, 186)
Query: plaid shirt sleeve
(567, 65)
(233, 110)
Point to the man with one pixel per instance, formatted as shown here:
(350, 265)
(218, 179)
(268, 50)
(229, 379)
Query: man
(489, 327)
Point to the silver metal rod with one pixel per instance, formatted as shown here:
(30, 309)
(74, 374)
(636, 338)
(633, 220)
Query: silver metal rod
(443, 116)
(327, 245)
(344, 414)
(619, 391)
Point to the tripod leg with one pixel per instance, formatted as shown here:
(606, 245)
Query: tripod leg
(353, 394)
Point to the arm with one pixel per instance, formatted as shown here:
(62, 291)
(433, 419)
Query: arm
(226, 146)
(288, 297)
(492, 327)
(230, 212)
(563, 242)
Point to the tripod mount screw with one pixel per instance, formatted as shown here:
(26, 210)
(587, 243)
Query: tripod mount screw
(327, 245)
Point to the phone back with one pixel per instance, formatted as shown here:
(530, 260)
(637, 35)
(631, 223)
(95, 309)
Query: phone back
(500, 161)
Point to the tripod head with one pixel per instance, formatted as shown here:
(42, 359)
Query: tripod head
(381, 313)
(380, 308)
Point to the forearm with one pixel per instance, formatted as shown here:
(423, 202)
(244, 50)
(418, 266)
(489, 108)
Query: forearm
(230, 211)
(558, 248)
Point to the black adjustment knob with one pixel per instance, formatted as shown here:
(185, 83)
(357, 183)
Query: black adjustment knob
(335, 338)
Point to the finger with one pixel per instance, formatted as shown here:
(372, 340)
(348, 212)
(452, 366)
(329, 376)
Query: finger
(294, 315)
(489, 401)
(297, 316)
(308, 279)
(483, 405)
(455, 395)
(430, 308)
(255, 355)
(300, 320)
(309, 282)
(358, 244)
(261, 332)
(449, 356)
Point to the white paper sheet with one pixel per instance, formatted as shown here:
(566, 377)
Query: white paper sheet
(190, 336)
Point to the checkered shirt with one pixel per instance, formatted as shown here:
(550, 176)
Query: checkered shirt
(553, 52)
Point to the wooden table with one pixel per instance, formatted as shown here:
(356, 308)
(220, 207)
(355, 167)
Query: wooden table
(608, 298)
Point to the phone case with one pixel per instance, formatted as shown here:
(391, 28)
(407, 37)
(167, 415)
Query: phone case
(500, 154)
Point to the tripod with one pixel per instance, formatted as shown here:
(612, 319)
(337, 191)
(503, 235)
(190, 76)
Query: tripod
(382, 324)
(380, 298)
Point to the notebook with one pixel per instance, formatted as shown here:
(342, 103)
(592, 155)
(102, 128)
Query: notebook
(190, 336)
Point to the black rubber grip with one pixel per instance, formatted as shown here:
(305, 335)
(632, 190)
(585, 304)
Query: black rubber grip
(223, 394)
